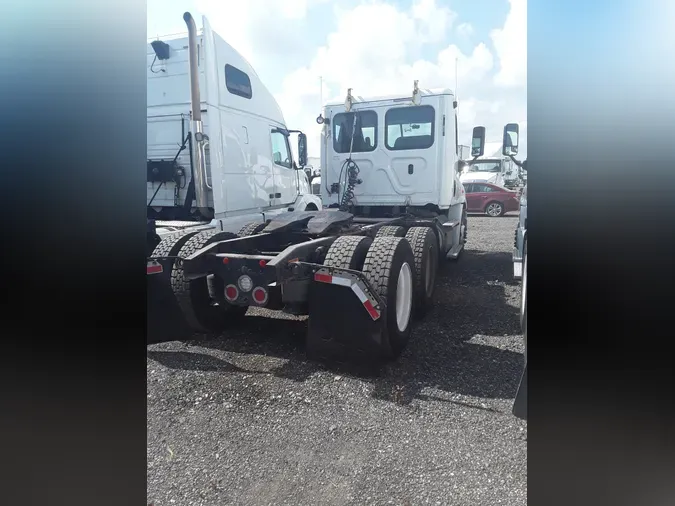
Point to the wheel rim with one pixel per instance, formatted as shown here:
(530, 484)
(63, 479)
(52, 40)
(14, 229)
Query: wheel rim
(403, 297)
(494, 209)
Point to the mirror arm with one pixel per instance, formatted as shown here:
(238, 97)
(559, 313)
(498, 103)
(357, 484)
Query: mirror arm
(519, 164)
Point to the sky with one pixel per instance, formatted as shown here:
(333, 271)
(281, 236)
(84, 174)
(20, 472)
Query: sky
(375, 47)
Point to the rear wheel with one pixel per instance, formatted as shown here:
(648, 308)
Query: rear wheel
(253, 228)
(494, 209)
(390, 270)
(171, 245)
(348, 252)
(391, 231)
(203, 313)
(425, 249)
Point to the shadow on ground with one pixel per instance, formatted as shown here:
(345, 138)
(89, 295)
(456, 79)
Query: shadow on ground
(471, 301)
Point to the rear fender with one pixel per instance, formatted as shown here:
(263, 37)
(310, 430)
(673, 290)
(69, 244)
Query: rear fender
(346, 317)
(165, 321)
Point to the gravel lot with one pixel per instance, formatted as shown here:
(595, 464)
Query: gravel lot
(248, 420)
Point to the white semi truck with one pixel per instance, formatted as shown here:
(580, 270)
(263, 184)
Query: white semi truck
(218, 146)
(492, 167)
(364, 268)
(219, 161)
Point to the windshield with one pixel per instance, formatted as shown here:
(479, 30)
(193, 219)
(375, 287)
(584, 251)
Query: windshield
(485, 166)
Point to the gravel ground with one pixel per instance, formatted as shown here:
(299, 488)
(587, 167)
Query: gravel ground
(248, 420)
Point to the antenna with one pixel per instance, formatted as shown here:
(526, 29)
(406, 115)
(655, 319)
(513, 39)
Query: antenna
(456, 81)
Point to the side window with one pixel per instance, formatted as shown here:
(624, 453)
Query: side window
(365, 134)
(482, 188)
(409, 127)
(237, 82)
(468, 188)
(281, 153)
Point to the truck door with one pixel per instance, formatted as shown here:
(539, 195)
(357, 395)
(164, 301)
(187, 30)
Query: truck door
(410, 132)
(285, 176)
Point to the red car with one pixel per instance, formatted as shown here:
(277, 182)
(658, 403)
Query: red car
(490, 199)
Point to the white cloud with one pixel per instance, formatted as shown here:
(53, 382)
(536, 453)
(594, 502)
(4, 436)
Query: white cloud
(465, 29)
(375, 49)
(261, 30)
(511, 44)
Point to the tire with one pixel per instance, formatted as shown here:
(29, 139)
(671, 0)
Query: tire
(424, 245)
(171, 245)
(389, 260)
(199, 310)
(252, 228)
(494, 209)
(391, 231)
(348, 252)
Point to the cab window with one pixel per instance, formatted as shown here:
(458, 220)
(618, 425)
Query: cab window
(365, 133)
(281, 152)
(409, 127)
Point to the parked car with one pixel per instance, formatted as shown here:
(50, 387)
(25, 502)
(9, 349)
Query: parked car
(490, 199)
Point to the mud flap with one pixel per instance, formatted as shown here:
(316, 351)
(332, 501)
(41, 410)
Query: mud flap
(341, 329)
(520, 402)
(165, 321)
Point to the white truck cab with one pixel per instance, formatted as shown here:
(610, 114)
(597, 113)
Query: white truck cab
(218, 146)
(387, 156)
(406, 153)
(497, 170)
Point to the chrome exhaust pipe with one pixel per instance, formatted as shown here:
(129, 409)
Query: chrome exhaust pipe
(199, 169)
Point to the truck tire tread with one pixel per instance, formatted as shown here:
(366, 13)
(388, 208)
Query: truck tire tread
(391, 231)
(424, 245)
(348, 252)
(193, 295)
(381, 268)
(252, 228)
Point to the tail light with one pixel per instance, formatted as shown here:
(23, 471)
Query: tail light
(260, 295)
(231, 293)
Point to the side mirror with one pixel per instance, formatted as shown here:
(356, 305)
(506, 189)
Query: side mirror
(524, 165)
(478, 141)
(510, 141)
(302, 149)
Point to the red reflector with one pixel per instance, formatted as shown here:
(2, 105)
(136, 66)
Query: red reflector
(226, 260)
(374, 313)
(259, 295)
(323, 278)
(231, 292)
(155, 269)
(262, 263)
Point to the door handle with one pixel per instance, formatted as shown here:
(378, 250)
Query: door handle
(411, 169)
(484, 196)
(271, 196)
(277, 195)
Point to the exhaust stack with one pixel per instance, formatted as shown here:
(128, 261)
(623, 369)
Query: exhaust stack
(199, 169)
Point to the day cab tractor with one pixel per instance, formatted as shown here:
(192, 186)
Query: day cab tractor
(364, 268)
